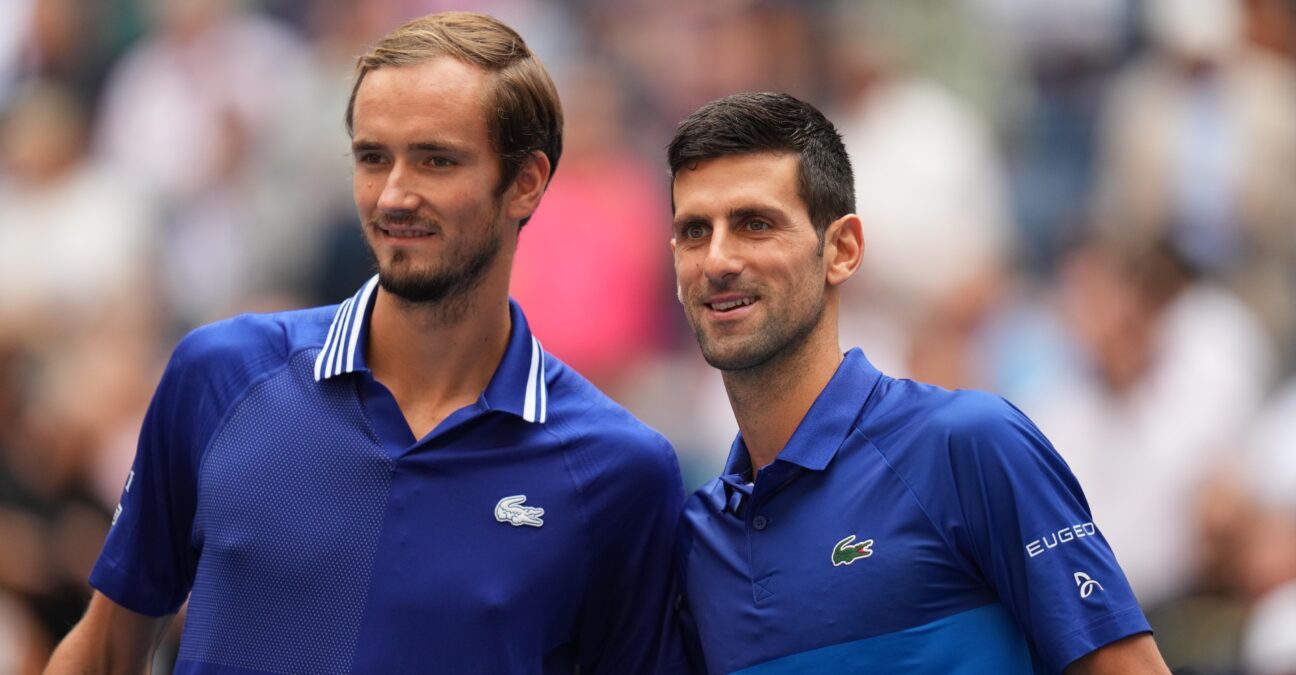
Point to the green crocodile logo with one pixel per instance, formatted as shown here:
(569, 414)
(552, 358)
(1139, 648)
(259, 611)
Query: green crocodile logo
(847, 552)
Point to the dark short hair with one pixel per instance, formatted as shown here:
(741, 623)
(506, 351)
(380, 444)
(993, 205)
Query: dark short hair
(524, 114)
(768, 122)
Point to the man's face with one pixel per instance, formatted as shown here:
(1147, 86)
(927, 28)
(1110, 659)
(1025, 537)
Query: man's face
(425, 178)
(748, 263)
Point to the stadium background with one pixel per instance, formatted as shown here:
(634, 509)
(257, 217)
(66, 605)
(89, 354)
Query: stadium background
(1087, 207)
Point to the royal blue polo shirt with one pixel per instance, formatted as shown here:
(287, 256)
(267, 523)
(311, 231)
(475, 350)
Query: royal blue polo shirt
(903, 529)
(278, 487)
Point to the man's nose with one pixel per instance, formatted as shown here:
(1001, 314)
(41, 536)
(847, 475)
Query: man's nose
(723, 260)
(396, 193)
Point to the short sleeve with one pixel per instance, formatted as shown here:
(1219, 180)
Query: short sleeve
(1028, 528)
(148, 560)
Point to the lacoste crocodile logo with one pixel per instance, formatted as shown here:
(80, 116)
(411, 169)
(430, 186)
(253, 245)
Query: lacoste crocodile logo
(847, 552)
(510, 510)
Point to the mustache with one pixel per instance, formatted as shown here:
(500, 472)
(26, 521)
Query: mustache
(409, 219)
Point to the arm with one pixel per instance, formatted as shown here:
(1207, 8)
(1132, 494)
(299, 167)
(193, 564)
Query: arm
(1134, 654)
(108, 639)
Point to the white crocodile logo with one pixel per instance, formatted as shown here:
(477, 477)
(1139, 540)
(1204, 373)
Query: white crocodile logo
(510, 510)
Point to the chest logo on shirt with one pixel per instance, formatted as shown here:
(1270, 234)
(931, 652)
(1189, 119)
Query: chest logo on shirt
(847, 551)
(510, 510)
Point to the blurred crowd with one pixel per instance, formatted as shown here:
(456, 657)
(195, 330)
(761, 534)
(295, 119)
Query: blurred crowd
(1087, 207)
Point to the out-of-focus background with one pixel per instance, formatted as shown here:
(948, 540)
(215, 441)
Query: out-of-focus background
(1087, 206)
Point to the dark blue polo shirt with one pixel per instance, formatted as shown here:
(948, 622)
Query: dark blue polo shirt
(278, 487)
(903, 529)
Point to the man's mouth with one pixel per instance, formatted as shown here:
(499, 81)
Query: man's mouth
(405, 233)
(406, 228)
(729, 305)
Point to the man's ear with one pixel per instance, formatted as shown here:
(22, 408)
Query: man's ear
(523, 196)
(679, 290)
(843, 248)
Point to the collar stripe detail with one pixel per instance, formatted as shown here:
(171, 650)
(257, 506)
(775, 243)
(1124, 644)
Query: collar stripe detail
(328, 341)
(358, 321)
(544, 389)
(338, 354)
(325, 359)
(335, 367)
(533, 407)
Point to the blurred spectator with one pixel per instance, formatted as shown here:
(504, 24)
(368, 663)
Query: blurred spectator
(69, 41)
(679, 54)
(1172, 371)
(1200, 147)
(14, 24)
(1068, 52)
(75, 236)
(208, 113)
(953, 42)
(1266, 559)
(930, 188)
(23, 646)
(607, 213)
(1271, 26)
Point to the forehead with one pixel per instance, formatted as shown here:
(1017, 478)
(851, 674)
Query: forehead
(720, 185)
(443, 98)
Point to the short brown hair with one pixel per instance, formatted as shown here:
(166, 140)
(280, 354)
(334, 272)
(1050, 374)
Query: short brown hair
(524, 112)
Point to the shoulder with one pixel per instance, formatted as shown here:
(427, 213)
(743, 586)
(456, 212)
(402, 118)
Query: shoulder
(957, 425)
(237, 351)
(906, 405)
(253, 337)
(603, 432)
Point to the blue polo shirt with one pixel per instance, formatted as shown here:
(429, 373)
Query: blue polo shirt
(903, 529)
(278, 487)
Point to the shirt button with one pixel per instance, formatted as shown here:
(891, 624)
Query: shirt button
(760, 522)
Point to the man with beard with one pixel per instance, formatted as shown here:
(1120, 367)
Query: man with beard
(405, 482)
(862, 524)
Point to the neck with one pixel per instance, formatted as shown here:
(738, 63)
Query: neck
(440, 357)
(770, 400)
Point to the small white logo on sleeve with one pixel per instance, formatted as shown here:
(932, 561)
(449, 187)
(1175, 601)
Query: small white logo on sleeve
(510, 510)
(130, 478)
(1086, 584)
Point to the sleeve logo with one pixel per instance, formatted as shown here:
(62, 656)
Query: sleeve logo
(1086, 584)
(847, 552)
(1065, 535)
(510, 510)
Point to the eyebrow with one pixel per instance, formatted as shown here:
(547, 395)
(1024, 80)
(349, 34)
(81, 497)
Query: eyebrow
(744, 212)
(420, 146)
(739, 213)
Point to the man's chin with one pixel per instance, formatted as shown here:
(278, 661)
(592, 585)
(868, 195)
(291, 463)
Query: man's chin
(415, 287)
(732, 357)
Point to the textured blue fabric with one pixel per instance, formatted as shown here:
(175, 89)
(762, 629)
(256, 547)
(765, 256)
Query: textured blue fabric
(894, 506)
(317, 535)
(976, 642)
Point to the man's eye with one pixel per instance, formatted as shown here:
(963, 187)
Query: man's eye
(368, 158)
(758, 225)
(441, 162)
(695, 231)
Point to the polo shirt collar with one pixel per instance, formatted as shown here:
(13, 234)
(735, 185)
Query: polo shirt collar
(826, 425)
(517, 387)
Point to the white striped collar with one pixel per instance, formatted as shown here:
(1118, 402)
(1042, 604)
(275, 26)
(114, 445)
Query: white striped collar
(342, 347)
(518, 385)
